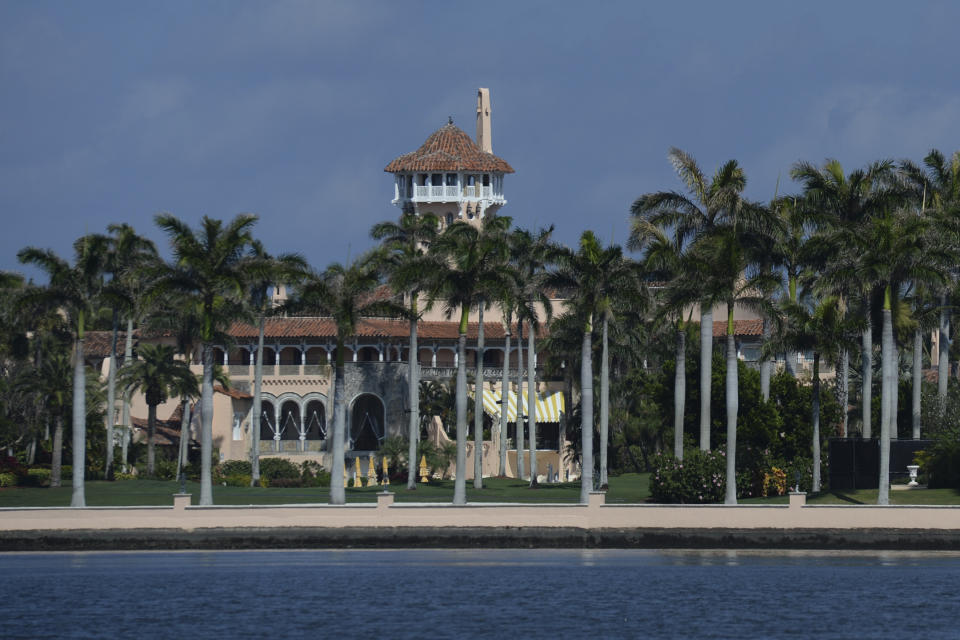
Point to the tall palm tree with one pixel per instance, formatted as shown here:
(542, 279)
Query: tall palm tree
(531, 253)
(411, 269)
(158, 375)
(709, 204)
(836, 202)
(937, 188)
(76, 289)
(211, 268)
(817, 326)
(476, 272)
(345, 293)
(665, 261)
(127, 256)
(271, 271)
(585, 273)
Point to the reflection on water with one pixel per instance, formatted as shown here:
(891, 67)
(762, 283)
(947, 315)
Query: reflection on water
(481, 593)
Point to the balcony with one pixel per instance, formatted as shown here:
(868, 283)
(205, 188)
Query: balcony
(428, 193)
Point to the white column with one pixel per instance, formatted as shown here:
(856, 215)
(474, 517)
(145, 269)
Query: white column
(433, 357)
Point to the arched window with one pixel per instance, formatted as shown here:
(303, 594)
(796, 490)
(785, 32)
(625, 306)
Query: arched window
(315, 420)
(290, 420)
(367, 422)
(268, 420)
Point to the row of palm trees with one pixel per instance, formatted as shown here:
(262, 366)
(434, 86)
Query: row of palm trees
(876, 246)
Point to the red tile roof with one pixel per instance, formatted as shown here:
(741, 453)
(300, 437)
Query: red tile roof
(740, 328)
(97, 343)
(449, 148)
(296, 328)
(233, 393)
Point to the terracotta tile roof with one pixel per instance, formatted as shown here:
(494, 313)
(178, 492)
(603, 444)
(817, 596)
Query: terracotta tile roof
(233, 393)
(449, 148)
(168, 431)
(297, 328)
(96, 344)
(740, 328)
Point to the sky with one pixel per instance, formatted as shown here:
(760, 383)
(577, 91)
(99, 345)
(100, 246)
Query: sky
(116, 111)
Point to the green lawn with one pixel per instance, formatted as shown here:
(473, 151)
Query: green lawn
(624, 489)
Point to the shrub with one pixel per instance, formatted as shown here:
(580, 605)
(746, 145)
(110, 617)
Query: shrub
(277, 468)
(8, 479)
(165, 469)
(119, 475)
(699, 477)
(237, 480)
(229, 468)
(312, 474)
(38, 477)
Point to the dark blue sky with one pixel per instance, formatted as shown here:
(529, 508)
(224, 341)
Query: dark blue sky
(114, 111)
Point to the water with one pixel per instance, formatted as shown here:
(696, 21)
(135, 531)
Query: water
(371, 595)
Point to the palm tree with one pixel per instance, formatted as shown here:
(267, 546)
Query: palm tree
(817, 326)
(530, 254)
(692, 217)
(158, 375)
(836, 202)
(664, 260)
(270, 271)
(938, 186)
(476, 272)
(210, 268)
(345, 293)
(586, 274)
(894, 248)
(128, 254)
(410, 269)
(76, 290)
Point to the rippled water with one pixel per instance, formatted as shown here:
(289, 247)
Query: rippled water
(371, 595)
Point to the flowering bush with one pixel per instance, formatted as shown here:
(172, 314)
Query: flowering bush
(699, 477)
(775, 482)
(8, 479)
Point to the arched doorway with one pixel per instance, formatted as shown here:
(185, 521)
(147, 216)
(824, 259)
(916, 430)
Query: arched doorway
(367, 422)
(290, 420)
(268, 420)
(315, 420)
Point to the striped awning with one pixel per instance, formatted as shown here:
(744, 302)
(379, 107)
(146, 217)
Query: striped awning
(549, 407)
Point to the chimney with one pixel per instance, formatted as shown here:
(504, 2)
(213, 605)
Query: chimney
(483, 120)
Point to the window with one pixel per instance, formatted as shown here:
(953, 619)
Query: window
(449, 219)
(436, 179)
(486, 179)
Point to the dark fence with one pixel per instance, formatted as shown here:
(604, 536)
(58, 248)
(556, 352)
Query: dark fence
(855, 463)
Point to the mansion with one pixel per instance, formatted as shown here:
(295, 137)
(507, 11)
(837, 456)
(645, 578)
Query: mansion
(454, 177)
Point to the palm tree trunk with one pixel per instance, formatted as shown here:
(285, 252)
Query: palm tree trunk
(151, 434)
(478, 409)
(125, 408)
(413, 430)
(816, 422)
(56, 462)
(679, 391)
(791, 356)
(564, 417)
(111, 397)
(460, 482)
(765, 364)
(604, 404)
(895, 393)
(866, 389)
(521, 457)
(706, 365)
(943, 365)
(257, 409)
(184, 436)
(732, 408)
(78, 497)
(917, 364)
(586, 416)
(206, 427)
(338, 493)
(532, 400)
(883, 493)
(504, 400)
(845, 388)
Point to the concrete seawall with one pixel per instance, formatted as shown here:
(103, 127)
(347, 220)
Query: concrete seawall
(481, 525)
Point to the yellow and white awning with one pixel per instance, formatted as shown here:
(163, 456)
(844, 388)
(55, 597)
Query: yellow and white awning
(549, 407)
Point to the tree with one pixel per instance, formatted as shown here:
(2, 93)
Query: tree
(410, 269)
(585, 274)
(836, 203)
(475, 273)
(937, 185)
(211, 269)
(158, 375)
(75, 289)
(530, 254)
(345, 293)
(128, 259)
(270, 271)
(693, 217)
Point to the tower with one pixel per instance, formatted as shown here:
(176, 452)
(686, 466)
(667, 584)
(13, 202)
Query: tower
(450, 175)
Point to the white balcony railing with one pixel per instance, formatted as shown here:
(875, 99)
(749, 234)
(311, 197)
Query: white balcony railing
(451, 193)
